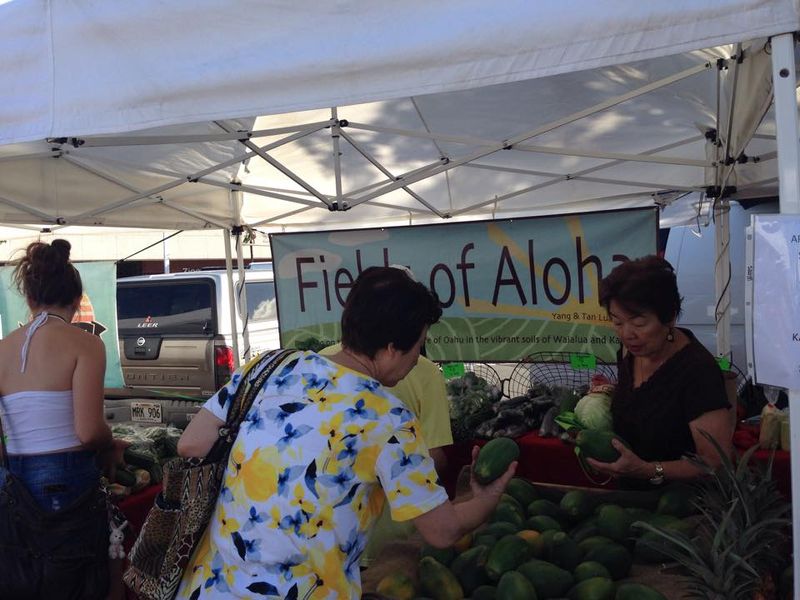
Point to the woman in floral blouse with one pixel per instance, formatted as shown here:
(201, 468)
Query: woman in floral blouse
(321, 450)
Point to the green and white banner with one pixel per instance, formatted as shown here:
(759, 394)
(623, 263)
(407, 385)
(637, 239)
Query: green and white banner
(97, 313)
(510, 288)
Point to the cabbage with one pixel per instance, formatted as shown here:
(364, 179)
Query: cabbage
(594, 411)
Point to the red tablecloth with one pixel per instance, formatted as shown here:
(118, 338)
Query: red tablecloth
(546, 460)
(549, 460)
(135, 508)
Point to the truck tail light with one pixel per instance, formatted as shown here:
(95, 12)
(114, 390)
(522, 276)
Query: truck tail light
(223, 365)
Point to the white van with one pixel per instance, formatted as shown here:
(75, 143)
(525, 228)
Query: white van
(175, 334)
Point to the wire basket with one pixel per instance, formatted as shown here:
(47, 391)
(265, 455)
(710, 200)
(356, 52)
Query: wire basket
(487, 372)
(554, 369)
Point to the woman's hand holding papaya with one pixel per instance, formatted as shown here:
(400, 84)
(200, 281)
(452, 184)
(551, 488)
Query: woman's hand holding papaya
(494, 489)
(627, 465)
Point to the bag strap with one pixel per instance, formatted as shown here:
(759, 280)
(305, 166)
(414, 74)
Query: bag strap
(243, 399)
(3, 446)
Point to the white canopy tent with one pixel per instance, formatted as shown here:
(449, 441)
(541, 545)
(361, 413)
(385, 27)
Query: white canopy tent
(298, 114)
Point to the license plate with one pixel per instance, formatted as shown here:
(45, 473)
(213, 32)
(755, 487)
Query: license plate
(146, 412)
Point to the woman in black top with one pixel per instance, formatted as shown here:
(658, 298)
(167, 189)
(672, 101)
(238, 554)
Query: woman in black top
(670, 387)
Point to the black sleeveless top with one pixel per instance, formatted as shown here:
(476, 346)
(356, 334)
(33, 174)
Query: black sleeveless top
(654, 418)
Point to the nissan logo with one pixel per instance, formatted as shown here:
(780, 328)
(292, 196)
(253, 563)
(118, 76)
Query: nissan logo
(140, 342)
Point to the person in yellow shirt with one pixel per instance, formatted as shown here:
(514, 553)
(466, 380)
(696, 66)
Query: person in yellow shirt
(423, 392)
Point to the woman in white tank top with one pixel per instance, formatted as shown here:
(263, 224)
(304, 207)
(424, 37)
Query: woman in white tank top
(51, 410)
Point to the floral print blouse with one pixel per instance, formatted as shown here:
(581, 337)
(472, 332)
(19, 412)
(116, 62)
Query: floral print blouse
(319, 452)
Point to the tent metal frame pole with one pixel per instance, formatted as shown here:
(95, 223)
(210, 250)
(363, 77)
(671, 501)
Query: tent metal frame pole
(260, 192)
(337, 154)
(77, 162)
(354, 200)
(262, 152)
(34, 155)
(192, 178)
(437, 137)
(194, 214)
(161, 188)
(570, 177)
(236, 199)
(29, 210)
(389, 175)
(156, 140)
(784, 81)
(237, 360)
(560, 178)
(667, 160)
(721, 211)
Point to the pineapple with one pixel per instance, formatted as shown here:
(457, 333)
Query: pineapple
(742, 533)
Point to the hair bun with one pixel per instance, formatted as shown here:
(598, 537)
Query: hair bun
(62, 247)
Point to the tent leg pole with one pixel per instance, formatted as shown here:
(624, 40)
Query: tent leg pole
(784, 81)
(242, 293)
(722, 277)
(231, 299)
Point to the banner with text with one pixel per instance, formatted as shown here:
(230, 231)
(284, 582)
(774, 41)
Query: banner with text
(509, 288)
(97, 313)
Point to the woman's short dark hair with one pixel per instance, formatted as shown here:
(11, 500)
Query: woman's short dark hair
(644, 284)
(386, 306)
(46, 277)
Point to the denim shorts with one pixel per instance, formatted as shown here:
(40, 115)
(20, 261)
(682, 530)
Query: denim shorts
(55, 480)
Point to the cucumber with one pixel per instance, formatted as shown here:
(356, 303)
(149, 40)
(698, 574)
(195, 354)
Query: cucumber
(494, 458)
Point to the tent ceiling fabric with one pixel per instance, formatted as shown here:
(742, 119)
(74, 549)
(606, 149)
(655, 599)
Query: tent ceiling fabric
(81, 68)
(415, 89)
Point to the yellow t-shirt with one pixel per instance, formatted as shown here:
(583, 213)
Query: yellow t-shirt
(423, 392)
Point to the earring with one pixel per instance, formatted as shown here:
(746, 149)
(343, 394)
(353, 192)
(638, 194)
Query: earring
(670, 335)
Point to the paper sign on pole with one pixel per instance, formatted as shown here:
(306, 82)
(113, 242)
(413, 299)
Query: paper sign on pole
(776, 300)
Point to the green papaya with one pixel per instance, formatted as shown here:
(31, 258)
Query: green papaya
(590, 568)
(585, 529)
(545, 508)
(549, 580)
(593, 541)
(596, 588)
(484, 592)
(442, 555)
(515, 586)
(613, 557)
(543, 523)
(498, 528)
(397, 586)
(596, 443)
(494, 458)
(508, 513)
(438, 581)
(614, 522)
(468, 567)
(565, 552)
(523, 491)
(576, 505)
(506, 555)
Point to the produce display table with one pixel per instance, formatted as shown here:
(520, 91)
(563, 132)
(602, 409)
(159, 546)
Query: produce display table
(549, 460)
(544, 460)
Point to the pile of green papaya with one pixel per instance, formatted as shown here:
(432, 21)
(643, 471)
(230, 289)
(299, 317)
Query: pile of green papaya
(149, 448)
(541, 543)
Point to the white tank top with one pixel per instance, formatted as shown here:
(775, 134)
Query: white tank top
(34, 421)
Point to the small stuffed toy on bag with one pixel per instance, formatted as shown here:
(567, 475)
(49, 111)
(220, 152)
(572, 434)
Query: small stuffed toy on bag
(115, 549)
